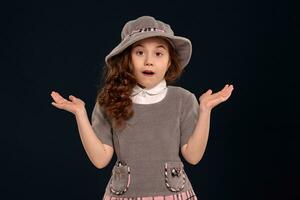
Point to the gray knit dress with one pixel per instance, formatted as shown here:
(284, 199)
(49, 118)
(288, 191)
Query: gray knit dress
(150, 145)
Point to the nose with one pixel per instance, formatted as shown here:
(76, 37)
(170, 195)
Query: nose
(148, 61)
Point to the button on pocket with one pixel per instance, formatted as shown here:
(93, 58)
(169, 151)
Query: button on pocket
(120, 179)
(175, 177)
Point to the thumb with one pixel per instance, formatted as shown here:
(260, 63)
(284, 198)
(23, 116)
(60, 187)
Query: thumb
(209, 91)
(72, 98)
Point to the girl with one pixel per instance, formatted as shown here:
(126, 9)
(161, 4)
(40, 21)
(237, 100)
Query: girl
(144, 119)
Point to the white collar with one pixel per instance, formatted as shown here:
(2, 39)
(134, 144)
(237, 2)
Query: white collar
(153, 91)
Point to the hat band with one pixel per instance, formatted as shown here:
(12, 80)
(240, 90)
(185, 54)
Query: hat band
(144, 30)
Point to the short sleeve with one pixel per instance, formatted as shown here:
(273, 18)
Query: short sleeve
(188, 118)
(101, 125)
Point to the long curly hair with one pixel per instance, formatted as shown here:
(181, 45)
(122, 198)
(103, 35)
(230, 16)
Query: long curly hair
(118, 81)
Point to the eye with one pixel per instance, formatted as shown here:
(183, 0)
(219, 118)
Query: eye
(159, 54)
(139, 52)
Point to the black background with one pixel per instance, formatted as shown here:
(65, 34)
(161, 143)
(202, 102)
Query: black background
(252, 44)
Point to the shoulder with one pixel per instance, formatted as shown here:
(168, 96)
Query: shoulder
(186, 100)
(181, 92)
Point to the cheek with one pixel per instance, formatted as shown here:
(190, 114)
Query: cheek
(164, 67)
(133, 59)
(136, 64)
(135, 71)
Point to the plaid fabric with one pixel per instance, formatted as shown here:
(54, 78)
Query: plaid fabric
(188, 195)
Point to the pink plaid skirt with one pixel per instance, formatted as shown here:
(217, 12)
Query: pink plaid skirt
(188, 195)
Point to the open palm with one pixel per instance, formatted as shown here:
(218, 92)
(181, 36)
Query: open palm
(209, 100)
(74, 106)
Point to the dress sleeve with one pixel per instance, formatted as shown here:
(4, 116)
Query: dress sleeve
(188, 118)
(101, 125)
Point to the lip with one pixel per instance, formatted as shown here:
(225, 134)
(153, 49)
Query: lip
(145, 74)
(148, 75)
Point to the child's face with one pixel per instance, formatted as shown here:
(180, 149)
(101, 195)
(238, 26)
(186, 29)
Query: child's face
(150, 59)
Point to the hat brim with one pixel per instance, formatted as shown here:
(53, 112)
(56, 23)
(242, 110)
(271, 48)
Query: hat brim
(182, 45)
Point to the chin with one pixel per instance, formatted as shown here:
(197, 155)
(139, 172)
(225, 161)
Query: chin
(145, 85)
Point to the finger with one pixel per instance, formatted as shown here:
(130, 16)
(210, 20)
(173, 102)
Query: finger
(226, 96)
(215, 95)
(207, 93)
(55, 97)
(219, 96)
(229, 88)
(221, 92)
(216, 101)
(224, 88)
(57, 105)
(228, 91)
(58, 98)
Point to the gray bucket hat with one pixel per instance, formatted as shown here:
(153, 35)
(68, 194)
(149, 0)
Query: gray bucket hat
(147, 26)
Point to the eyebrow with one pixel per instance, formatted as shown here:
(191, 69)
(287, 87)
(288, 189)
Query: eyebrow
(159, 46)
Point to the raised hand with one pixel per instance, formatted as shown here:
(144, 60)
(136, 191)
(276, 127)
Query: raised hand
(208, 100)
(74, 106)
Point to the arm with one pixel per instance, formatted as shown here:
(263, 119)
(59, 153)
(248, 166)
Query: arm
(100, 154)
(194, 149)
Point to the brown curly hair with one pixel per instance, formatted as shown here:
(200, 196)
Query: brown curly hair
(118, 81)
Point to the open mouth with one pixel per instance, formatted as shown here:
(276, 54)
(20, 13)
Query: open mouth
(148, 72)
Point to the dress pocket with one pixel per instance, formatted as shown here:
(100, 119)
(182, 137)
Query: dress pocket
(120, 179)
(175, 177)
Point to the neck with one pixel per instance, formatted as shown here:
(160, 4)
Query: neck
(141, 85)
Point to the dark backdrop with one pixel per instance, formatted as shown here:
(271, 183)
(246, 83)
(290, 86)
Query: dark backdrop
(61, 46)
